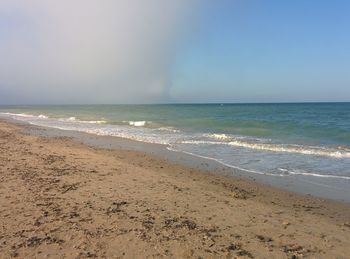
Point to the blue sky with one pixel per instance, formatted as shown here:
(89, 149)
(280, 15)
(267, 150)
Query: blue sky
(267, 51)
(91, 51)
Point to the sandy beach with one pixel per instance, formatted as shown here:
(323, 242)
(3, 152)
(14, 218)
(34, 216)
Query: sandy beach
(60, 198)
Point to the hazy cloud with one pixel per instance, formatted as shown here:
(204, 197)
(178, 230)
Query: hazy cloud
(94, 51)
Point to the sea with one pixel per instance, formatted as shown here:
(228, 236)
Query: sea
(306, 140)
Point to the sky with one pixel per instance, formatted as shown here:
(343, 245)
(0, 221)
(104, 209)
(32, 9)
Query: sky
(155, 51)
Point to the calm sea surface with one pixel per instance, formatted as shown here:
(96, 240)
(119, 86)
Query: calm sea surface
(311, 141)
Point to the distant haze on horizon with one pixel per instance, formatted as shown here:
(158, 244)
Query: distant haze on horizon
(154, 51)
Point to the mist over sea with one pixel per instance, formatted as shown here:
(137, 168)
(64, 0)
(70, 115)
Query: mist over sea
(305, 140)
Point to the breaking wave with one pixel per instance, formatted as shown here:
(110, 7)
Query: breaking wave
(138, 123)
(45, 117)
(340, 152)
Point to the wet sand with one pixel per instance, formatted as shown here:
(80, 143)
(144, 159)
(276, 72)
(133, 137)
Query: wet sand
(62, 198)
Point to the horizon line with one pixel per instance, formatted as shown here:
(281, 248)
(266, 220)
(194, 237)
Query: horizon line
(177, 103)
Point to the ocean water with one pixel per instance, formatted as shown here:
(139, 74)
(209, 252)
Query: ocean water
(305, 140)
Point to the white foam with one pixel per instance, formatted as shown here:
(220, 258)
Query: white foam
(24, 115)
(137, 123)
(125, 133)
(19, 114)
(305, 150)
(169, 129)
(74, 119)
(314, 174)
(293, 149)
(92, 122)
(95, 122)
(222, 137)
(199, 142)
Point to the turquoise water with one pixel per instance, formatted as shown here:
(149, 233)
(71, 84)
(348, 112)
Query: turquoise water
(310, 140)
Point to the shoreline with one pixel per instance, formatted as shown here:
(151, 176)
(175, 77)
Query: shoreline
(63, 196)
(303, 185)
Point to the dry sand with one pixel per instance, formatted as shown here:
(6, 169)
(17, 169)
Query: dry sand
(62, 199)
